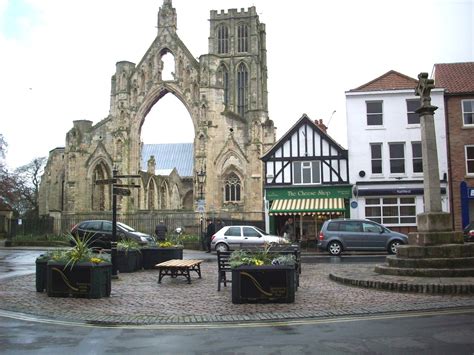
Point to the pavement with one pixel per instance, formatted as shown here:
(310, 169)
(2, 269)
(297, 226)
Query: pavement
(137, 298)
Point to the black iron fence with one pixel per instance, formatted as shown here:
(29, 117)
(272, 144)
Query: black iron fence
(191, 223)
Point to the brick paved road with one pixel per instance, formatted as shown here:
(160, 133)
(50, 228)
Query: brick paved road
(137, 298)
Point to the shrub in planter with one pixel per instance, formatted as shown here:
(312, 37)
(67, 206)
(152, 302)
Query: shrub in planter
(78, 272)
(129, 257)
(162, 252)
(262, 276)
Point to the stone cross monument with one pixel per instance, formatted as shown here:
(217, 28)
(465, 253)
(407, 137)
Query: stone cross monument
(434, 226)
(435, 250)
(432, 192)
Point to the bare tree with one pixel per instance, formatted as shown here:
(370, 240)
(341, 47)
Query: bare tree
(28, 179)
(7, 183)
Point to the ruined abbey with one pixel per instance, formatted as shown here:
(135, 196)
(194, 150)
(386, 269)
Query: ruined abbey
(225, 93)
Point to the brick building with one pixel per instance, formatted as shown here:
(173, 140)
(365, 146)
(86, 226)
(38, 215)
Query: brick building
(457, 80)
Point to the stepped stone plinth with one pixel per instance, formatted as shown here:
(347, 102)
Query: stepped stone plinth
(433, 251)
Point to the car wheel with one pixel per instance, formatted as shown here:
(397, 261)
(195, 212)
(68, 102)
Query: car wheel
(222, 247)
(392, 247)
(334, 248)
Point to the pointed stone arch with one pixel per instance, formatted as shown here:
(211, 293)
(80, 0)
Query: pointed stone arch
(175, 200)
(242, 83)
(232, 185)
(164, 196)
(223, 81)
(151, 195)
(135, 88)
(100, 197)
(188, 201)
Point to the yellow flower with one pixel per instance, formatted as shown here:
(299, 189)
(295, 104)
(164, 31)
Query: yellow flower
(165, 244)
(95, 260)
(258, 262)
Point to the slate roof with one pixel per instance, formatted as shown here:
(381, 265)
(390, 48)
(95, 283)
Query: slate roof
(391, 80)
(169, 156)
(456, 78)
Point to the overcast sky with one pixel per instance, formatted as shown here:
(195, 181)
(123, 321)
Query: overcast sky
(58, 56)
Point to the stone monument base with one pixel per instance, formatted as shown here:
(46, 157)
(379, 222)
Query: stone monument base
(445, 260)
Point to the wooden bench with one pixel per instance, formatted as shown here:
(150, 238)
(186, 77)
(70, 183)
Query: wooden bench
(179, 267)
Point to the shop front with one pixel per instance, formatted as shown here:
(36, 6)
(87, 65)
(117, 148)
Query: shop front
(306, 208)
(467, 204)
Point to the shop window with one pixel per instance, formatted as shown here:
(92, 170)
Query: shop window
(391, 210)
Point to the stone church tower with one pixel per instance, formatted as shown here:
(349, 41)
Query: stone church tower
(225, 93)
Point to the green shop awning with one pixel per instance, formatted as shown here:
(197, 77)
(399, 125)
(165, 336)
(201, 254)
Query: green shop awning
(308, 206)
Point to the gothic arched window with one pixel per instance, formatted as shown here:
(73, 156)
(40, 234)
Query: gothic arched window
(242, 89)
(242, 38)
(232, 187)
(100, 193)
(151, 196)
(222, 39)
(223, 77)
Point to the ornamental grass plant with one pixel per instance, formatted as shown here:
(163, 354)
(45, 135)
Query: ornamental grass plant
(260, 257)
(79, 252)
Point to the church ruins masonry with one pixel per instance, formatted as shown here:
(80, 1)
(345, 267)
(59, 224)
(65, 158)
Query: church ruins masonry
(225, 93)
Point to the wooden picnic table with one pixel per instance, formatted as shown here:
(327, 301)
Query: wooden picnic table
(179, 267)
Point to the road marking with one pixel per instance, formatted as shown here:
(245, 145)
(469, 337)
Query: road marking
(239, 324)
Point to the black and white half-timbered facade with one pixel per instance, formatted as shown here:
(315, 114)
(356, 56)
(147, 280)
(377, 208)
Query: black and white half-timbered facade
(306, 179)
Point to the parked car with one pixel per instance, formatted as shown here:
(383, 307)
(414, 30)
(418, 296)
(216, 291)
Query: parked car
(468, 232)
(100, 233)
(241, 237)
(338, 235)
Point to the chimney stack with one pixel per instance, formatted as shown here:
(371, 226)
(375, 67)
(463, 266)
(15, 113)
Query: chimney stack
(321, 125)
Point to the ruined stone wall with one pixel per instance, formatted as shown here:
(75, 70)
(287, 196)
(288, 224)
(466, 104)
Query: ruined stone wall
(228, 142)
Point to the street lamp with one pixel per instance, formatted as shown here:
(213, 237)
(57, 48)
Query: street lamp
(201, 179)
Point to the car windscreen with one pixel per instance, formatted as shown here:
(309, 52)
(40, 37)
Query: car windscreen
(124, 226)
(261, 231)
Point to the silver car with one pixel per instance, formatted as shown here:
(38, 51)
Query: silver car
(338, 235)
(241, 237)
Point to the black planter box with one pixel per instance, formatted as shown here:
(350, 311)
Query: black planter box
(41, 274)
(153, 256)
(263, 284)
(129, 261)
(87, 280)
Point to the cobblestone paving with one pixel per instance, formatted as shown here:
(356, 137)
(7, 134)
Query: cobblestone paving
(137, 298)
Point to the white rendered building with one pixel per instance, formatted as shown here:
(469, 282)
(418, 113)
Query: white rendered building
(384, 144)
